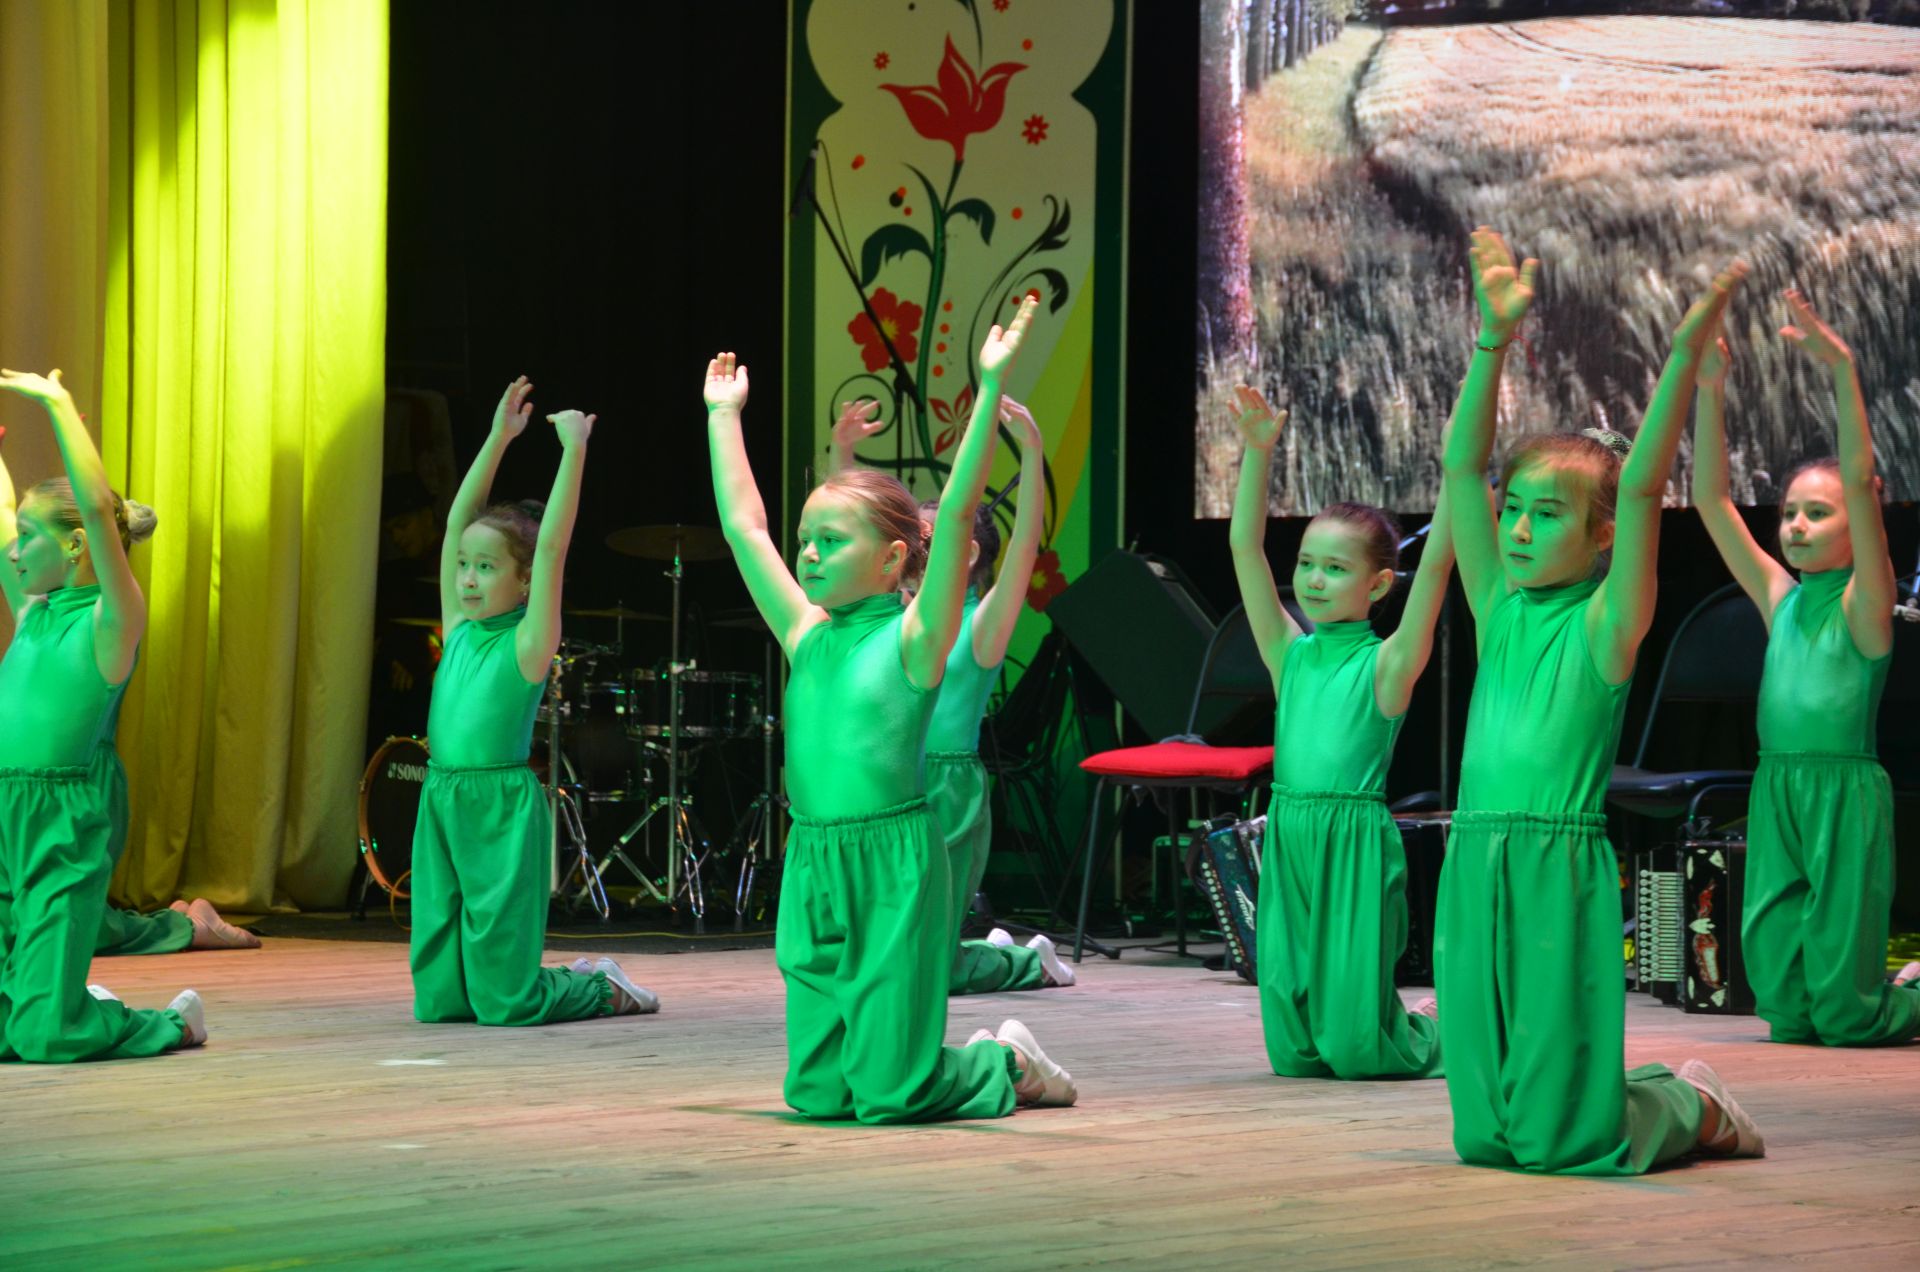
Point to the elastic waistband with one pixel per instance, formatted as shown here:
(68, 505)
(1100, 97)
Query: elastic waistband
(9, 773)
(1852, 757)
(952, 756)
(855, 819)
(1343, 797)
(1559, 821)
(451, 770)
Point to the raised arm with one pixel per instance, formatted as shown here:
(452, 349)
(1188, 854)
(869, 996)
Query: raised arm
(538, 637)
(1403, 655)
(121, 617)
(853, 427)
(743, 516)
(1273, 627)
(509, 421)
(1870, 594)
(933, 616)
(1622, 609)
(1503, 295)
(1762, 578)
(999, 609)
(9, 531)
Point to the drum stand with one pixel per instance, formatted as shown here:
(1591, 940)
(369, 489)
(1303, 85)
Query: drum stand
(563, 804)
(753, 835)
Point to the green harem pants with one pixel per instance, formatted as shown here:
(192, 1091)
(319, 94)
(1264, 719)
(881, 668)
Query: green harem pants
(1332, 923)
(54, 867)
(124, 932)
(1819, 892)
(1533, 1004)
(480, 885)
(957, 794)
(865, 943)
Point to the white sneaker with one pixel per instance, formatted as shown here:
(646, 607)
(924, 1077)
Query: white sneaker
(1058, 973)
(643, 1000)
(1908, 974)
(1000, 936)
(1738, 1136)
(1045, 1083)
(581, 966)
(104, 994)
(193, 1013)
(980, 1035)
(1428, 1007)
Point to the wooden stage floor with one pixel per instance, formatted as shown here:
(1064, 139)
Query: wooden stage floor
(322, 1128)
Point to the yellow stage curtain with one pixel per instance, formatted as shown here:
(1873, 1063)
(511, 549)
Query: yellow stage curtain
(193, 225)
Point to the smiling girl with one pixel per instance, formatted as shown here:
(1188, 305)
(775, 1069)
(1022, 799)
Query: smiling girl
(1819, 883)
(481, 846)
(864, 934)
(1527, 952)
(79, 617)
(1333, 905)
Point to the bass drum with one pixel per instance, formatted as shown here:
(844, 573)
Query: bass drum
(389, 805)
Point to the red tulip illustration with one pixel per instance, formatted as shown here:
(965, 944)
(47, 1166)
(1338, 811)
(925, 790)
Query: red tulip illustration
(961, 105)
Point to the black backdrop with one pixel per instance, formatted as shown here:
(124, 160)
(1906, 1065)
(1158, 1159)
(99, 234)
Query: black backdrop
(594, 194)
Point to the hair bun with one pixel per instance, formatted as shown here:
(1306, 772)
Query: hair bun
(535, 508)
(142, 521)
(1619, 443)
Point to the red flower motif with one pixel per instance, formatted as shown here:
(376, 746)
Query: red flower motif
(961, 105)
(1035, 129)
(999, 6)
(954, 415)
(880, 61)
(900, 319)
(1047, 581)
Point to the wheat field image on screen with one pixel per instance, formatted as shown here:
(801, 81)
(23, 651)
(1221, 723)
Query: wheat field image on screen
(1633, 155)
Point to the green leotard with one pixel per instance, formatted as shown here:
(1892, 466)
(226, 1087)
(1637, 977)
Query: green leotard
(865, 937)
(1527, 950)
(1820, 869)
(957, 793)
(1332, 916)
(482, 848)
(55, 854)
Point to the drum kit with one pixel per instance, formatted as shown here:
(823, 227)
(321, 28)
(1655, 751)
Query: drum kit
(610, 733)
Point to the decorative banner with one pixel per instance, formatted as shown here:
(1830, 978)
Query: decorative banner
(964, 153)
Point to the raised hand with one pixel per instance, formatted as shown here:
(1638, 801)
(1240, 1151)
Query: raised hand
(510, 417)
(726, 383)
(855, 425)
(1808, 332)
(43, 389)
(1258, 422)
(1715, 358)
(574, 428)
(1020, 420)
(1003, 345)
(1503, 293)
(1702, 322)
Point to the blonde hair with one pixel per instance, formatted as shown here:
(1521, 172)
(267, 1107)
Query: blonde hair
(1594, 454)
(136, 521)
(889, 508)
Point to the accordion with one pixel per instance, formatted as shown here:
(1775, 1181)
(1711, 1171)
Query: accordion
(1228, 871)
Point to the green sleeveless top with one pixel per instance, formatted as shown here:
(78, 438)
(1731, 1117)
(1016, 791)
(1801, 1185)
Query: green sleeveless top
(856, 726)
(1818, 691)
(1328, 732)
(54, 703)
(483, 708)
(962, 701)
(1543, 728)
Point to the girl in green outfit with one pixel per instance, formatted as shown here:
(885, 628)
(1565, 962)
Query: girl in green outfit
(956, 780)
(79, 615)
(1527, 948)
(1333, 905)
(482, 844)
(864, 937)
(1820, 827)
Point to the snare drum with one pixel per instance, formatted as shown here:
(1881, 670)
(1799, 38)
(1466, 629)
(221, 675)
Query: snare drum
(713, 704)
(389, 806)
(596, 734)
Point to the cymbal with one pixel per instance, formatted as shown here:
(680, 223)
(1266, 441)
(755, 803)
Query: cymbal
(618, 611)
(413, 622)
(658, 543)
(743, 619)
